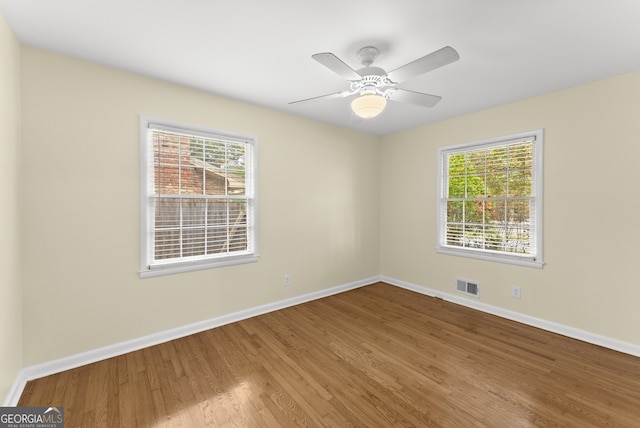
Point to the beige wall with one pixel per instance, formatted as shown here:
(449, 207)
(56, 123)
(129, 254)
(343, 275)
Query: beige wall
(318, 193)
(591, 229)
(10, 290)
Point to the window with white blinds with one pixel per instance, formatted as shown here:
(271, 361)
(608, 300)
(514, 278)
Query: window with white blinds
(490, 199)
(199, 198)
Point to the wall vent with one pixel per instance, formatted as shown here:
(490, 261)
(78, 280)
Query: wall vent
(468, 287)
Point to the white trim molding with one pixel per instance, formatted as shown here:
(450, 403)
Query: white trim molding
(574, 333)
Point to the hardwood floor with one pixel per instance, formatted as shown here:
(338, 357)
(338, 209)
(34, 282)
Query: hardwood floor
(378, 356)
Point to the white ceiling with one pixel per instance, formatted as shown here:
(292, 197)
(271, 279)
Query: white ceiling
(260, 51)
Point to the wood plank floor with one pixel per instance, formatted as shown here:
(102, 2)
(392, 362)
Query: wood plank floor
(378, 356)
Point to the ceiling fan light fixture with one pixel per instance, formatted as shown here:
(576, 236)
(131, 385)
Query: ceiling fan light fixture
(368, 105)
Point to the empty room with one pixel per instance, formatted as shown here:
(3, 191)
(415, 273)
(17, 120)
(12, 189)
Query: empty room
(325, 213)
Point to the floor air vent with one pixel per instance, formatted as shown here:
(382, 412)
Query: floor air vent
(468, 287)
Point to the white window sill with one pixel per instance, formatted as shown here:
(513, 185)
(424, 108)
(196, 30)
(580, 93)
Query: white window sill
(499, 258)
(195, 266)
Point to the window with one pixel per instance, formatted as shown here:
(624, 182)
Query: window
(198, 198)
(490, 200)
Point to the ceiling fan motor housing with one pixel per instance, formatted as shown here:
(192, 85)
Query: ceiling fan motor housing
(374, 80)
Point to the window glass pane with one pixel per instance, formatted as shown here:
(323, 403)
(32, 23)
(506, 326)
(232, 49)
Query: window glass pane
(497, 159)
(477, 161)
(227, 226)
(474, 236)
(193, 242)
(518, 224)
(454, 234)
(196, 147)
(455, 212)
(494, 211)
(167, 230)
(191, 179)
(212, 152)
(497, 184)
(235, 167)
(475, 186)
(473, 211)
(494, 235)
(199, 197)
(521, 156)
(167, 244)
(238, 238)
(457, 187)
(519, 183)
(215, 180)
(193, 212)
(167, 161)
(494, 191)
(457, 164)
(518, 212)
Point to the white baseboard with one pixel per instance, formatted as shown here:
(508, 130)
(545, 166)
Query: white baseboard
(84, 358)
(16, 390)
(585, 336)
(81, 359)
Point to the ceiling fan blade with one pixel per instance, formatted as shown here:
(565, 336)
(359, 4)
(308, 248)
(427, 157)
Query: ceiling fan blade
(434, 60)
(324, 97)
(416, 98)
(336, 65)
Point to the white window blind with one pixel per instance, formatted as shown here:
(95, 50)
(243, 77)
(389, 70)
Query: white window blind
(491, 198)
(199, 207)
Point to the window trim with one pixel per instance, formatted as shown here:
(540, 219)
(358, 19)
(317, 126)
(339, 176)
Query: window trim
(146, 214)
(527, 260)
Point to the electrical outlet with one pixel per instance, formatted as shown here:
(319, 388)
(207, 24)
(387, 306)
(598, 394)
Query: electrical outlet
(515, 292)
(287, 279)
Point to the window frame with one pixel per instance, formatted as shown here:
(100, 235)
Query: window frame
(529, 260)
(147, 214)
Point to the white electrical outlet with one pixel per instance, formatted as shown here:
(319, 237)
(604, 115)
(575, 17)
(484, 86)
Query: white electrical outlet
(515, 292)
(287, 279)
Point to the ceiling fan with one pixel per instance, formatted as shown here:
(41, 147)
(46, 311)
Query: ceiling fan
(374, 86)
